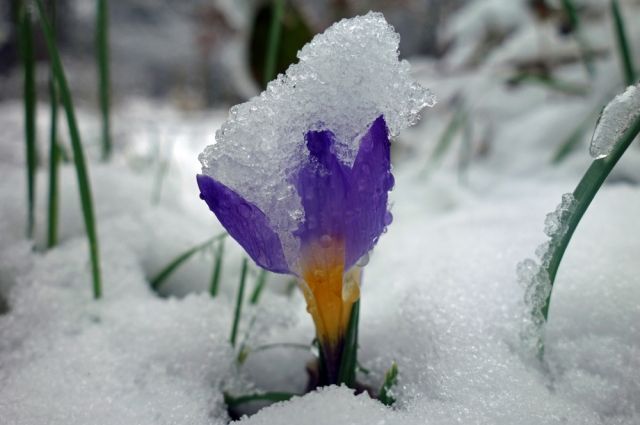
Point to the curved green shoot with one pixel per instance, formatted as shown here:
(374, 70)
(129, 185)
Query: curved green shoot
(390, 379)
(157, 281)
(583, 195)
(629, 73)
(29, 97)
(76, 144)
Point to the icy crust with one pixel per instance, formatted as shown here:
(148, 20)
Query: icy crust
(615, 120)
(345, 78)
(533, 276)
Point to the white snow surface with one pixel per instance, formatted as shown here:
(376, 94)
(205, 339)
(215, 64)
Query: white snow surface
(617, 117)
(345, 78)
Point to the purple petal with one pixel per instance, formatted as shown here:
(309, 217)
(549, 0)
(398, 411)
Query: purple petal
(322, 184)
(366, 215)
(246, 223)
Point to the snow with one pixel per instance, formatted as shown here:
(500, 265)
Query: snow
(441, 294)
(345, 78)
(617, 117)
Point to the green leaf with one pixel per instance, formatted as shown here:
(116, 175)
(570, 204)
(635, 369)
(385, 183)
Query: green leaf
(157, 281)
(585, 51)
(102, 58)
(583, 194)
(217, 269)
(239, 301)
(54, 151)
(347, 371)
(262, 279)
(232, 401)
(390, 379)
(29, 98)
(629, 73)
(82, 174)
(274, 40)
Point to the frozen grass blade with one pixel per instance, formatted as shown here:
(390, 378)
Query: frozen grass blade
(76, 144)
(102, 52)
(446, 139)
(29, 98)
(232, 401)
(349, 361)
(574, 20)
(238, 309)
(274, 41)
(157, 281)
(54, 151)
(217, 269)
(390, 379)
(257, 290)
(623, 44)
(583, 195)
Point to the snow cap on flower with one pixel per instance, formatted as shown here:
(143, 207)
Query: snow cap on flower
(327, 121)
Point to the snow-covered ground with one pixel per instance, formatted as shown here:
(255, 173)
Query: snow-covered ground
(440, 293)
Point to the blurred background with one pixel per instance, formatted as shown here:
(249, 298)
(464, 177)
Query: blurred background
(202, 53)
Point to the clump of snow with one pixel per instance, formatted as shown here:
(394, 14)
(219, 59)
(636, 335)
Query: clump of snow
(330, 406)
(345, 78)
(615, 120)
(534, 277)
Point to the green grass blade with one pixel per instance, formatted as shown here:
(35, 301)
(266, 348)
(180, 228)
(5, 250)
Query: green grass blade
(232, 401)
(29, 98)
(257, 290)
(390, 379)
(54, 151)
(157, 281)
(347, 371)
(54, 161)
(76, 144)
(274, 41)
(239, 301)
(217, 269)
(102, 52)
(583, 195)
(623, 44)
(574, 20)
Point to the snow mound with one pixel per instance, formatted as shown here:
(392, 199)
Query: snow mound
(312, 409)
(346, 77)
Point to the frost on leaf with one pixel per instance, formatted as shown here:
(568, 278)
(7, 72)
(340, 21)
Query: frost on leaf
(533, 275)
(615, 120)
(345, 78)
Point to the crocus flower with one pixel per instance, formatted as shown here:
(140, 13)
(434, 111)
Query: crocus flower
(345, 211)
(300, 174)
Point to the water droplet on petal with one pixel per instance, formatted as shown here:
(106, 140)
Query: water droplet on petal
(388, 218)
(244, 210)
(325, 241)
(363, 261)
(389, 181)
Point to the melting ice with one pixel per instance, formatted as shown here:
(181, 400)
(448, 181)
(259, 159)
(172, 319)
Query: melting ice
(615, 120)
